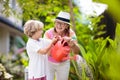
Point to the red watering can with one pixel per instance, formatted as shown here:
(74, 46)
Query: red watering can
(60, 50)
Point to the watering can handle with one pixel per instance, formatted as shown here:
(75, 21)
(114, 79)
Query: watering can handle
(63, 42)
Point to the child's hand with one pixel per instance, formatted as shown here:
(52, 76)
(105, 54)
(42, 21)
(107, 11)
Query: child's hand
(54, 40)
(58, 37)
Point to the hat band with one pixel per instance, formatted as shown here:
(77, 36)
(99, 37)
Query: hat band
(63, 19)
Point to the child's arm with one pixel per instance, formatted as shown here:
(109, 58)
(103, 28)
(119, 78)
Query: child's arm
(45, 50)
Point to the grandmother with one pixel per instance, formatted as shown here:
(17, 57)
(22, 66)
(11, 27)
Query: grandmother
(56, 69)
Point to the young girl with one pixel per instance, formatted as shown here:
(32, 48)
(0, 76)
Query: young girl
(37, 49)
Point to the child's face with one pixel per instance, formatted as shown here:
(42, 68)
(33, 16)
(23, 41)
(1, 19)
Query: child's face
(38, 34)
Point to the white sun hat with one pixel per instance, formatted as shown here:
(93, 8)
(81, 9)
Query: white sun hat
(64, 17)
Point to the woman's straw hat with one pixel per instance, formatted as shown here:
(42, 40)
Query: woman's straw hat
(64, 17)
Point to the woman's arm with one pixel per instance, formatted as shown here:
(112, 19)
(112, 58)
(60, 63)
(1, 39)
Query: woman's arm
(74, 46)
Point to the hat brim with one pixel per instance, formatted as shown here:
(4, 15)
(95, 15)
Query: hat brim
(63, 21)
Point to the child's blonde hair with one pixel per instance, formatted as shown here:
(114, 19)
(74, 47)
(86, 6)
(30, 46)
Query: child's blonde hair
(32, 26)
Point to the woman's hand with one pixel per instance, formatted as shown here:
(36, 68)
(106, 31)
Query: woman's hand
(69, 40)
(73, 44)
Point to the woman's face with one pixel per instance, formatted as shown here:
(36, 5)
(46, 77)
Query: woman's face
(60, 26)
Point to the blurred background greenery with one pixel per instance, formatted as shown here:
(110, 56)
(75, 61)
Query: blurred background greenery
(98, 38)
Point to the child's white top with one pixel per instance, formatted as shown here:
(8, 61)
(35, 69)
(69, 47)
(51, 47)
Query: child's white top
(37, 62)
